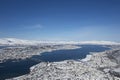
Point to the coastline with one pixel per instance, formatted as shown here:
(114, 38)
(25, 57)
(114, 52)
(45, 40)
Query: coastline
(94, 67)
(18, 53)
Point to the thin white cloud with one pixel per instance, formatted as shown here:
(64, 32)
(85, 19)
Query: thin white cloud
(36, 26)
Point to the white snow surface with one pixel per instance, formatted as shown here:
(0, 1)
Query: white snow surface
(14, 41)
(88, 57)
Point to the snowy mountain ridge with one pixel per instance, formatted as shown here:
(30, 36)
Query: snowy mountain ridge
(14, 41)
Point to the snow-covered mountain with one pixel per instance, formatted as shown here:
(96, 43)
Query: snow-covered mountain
(14, 41)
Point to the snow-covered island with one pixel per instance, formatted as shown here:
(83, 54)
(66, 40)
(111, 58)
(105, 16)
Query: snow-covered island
(23, 52)
(21, 49)
(100, 66)
(97, 66)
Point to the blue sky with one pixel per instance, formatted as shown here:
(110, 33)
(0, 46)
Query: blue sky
(60, 19)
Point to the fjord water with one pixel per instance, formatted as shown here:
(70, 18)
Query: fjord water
(73, 54)
(11, 69)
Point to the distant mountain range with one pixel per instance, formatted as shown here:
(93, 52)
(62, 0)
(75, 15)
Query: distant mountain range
(14, 41)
